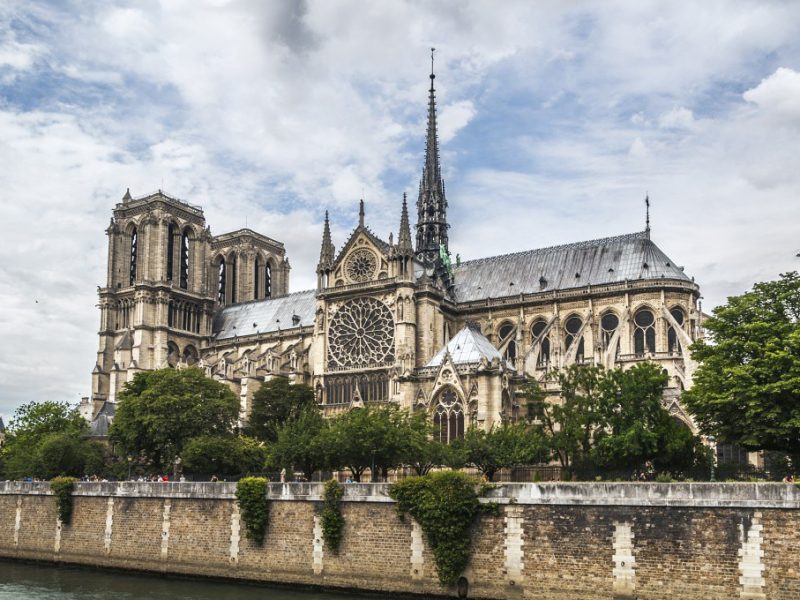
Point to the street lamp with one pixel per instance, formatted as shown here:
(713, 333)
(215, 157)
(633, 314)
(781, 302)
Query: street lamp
(130, 462)
(372, 471)
(711, 442)
(175, 471)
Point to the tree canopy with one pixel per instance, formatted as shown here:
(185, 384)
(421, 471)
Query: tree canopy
(746, 390)
(159, 411)
(276, 402)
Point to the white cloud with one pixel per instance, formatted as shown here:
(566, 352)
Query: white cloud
(455, 117)
(677, 118)
(778, 95)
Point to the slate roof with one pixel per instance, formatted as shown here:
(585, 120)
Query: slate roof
(596, 262)
(262, 316)
(2, 425)
(468, 346)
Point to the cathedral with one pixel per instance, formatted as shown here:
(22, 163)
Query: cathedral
(392, 320)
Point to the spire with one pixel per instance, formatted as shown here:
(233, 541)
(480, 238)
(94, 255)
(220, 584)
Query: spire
(647, 215)
(404, 238)
(431, 205)
(127, 195)
(326, 254)
(361, 213)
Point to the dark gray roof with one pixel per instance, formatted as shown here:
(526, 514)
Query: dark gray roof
(2, 425)
(262, 316)
(596, 262)
(102, 421)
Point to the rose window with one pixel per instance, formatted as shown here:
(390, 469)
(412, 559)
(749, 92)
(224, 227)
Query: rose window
(361, 333)
(361, 265)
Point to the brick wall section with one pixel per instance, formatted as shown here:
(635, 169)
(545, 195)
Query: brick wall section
(689, 550)
(781, 553)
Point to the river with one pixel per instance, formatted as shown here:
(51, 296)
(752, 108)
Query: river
(23, 581)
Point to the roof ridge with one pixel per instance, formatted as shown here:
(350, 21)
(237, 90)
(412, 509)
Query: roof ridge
(582, 244)
(312, 291)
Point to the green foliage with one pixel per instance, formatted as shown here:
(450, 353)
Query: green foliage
(747, 388)
(251, 493)
(300, 443)
(422, 451)
(504, 446)
(332, 519)
(62, 489)
(45, 439)
(159, 411)
(274, 404)
(373, 434)
(223, 455)
(613, 421)
(445, 504)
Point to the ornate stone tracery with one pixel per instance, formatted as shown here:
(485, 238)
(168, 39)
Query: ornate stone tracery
(361, 265)
(361, 334)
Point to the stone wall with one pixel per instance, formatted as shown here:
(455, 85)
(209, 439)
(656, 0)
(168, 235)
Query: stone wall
(548, 541)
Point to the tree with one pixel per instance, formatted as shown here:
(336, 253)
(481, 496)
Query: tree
(423, 452)
(505, 446)
(45, 439)
(746, 390)
(274, 403)
(301, 443)
(223, 455)
(568, 424)
(158, 412)
(366, 437)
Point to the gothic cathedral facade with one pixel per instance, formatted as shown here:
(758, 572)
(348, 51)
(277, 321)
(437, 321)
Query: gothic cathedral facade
(388, 321)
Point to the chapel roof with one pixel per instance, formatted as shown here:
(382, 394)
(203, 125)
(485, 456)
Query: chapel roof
(102, 421)
(263, 316)
(633, 256)
(468, 346)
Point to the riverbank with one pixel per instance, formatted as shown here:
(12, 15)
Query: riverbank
(554, 541)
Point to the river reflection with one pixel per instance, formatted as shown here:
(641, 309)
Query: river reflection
(23, 581)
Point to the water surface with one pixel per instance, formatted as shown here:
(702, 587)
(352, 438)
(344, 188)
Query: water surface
(25, 581)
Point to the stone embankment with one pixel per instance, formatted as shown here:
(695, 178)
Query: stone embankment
(556, 541)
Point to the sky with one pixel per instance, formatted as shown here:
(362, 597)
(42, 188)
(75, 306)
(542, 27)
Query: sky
(556, 119)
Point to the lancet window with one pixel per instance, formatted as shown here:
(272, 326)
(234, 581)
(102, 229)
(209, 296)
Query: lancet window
(134, 253)
(506, 331)
(171, 252)
(185, 260)
(268, 281)
(448, 417)
(644, 335)
(673, 344)
(544, 343)
(221, 281)
(234, 278)
(257, 278)
(572, 328)
(372, 387)
(608, 325)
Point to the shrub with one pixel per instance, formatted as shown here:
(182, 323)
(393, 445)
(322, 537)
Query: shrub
(62, 489)
(332, 519)
(445, 504)
(251, 493)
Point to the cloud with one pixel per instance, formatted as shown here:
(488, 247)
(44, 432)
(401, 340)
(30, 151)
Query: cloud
(454, 117)
(677, 118)
(778, 95)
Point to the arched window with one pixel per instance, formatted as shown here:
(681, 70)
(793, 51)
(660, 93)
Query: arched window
(190, 355)
(448, 417)
(608, 325)
(644, 336)
(506, 330)
(185, 259)
(171, 252)
(234, 277)
(544, 343)
(673, 345)
(134, 252)
(221, 277)
(268, 281)
(256, 278)
(572, 327)
(173, 354)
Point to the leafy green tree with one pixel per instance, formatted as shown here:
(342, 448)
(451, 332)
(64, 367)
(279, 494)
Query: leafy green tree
(422, 451)
(276, 402)
(746, 390)
(54, 427)
(63, 454)
(505, 446)
(571, 423)
(158, 412)
(301, 443)
(223, 455)
(373, 435)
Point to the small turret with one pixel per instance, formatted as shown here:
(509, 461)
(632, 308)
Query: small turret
(404, 242)
(326, 254)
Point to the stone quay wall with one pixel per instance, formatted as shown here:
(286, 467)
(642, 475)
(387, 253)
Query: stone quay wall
(557, 541)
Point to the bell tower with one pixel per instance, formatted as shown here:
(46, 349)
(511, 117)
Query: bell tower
(155, 308)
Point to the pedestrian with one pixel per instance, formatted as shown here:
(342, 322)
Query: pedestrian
(283, 475)
(214, 479)
(788, 479)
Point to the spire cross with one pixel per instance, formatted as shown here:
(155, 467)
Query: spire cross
(432, 75)
(647, 212)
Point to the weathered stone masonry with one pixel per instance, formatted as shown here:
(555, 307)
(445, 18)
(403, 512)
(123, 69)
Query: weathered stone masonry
(549, 541)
